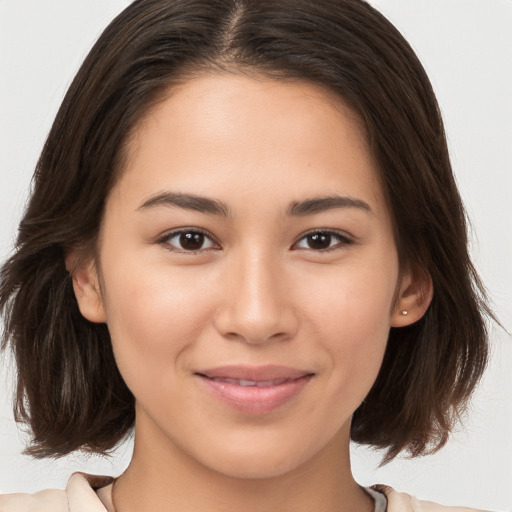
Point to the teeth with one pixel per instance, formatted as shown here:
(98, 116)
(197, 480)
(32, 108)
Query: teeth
(269, 383)
(246, 383)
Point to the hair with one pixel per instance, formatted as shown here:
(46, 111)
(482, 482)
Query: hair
(69, 389)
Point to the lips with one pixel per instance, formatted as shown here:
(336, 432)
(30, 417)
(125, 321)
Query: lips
(254, 390)
(246, 383)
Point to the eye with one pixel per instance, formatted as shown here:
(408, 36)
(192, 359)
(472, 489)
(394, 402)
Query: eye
(188, 240)
(322, 241)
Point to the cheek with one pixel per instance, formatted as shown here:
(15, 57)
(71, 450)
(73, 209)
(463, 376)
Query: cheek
(154, 316)
(352, 316)
(354, 301)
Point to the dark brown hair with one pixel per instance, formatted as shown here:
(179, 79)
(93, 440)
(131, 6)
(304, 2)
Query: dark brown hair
(69, 388)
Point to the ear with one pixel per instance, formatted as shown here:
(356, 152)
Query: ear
(414, 298)
(86, 287)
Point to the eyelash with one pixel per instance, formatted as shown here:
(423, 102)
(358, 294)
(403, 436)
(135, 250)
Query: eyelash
(343, 240)
(165, 240)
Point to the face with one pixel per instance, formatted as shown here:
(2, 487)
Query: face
(247, 270)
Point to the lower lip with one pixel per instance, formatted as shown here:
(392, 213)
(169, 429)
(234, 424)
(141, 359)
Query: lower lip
(255, 400)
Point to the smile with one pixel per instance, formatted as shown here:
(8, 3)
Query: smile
(245, 383)
(254, 390)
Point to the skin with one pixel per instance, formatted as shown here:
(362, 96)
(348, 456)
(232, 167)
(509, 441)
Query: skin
(257, 291)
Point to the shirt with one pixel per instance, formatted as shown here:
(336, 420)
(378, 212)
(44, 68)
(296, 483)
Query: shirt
(91, 493)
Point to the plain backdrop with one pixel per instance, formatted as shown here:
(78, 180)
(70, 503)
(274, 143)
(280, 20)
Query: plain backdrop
(466, 47)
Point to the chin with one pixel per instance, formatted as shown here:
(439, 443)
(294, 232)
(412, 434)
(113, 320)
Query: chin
(257, 468)
(253, 460)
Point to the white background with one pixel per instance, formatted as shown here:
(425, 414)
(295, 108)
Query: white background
(466, 47)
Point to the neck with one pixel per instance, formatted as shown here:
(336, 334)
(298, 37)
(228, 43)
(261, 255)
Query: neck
(170, 479)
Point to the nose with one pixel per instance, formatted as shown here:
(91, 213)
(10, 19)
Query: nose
(257, 303)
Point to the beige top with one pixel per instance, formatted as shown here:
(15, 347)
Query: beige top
(89, 493)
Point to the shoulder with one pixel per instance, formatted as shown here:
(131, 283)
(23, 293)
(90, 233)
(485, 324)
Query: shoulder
(402, 502)
(51, 500)
(79, 496)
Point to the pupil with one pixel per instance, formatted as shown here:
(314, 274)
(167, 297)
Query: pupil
(191, 241)
(319, 241)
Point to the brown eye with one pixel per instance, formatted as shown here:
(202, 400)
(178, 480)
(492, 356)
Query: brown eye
(322, 241)
(188, 241)
(192, 241)
(319, 240)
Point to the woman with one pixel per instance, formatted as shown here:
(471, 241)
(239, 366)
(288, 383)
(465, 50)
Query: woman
(245, 239)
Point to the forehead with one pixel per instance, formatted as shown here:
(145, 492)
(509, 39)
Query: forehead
(215, 129)
(208, 94)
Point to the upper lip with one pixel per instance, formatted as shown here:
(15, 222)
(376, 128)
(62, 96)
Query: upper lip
(254, 373)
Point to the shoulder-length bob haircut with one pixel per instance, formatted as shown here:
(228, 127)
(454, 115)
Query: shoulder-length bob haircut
(69, 389)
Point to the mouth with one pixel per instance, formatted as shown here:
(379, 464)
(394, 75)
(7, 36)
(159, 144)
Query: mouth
(254, 390)
(248, 383)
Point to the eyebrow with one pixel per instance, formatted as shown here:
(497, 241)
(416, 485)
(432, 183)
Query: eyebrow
(322, 204)
(214, 207)
(187, 202)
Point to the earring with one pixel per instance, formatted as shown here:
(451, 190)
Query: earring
(404, 312)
